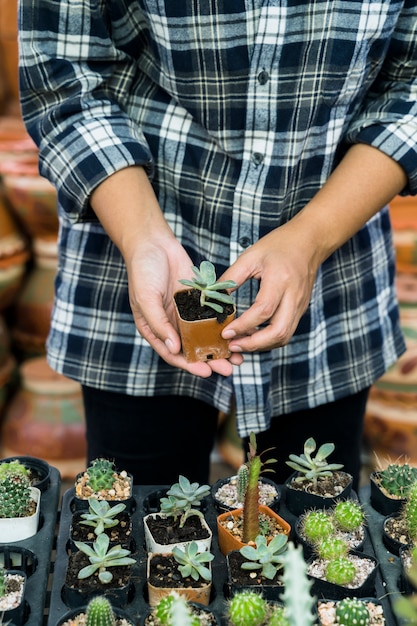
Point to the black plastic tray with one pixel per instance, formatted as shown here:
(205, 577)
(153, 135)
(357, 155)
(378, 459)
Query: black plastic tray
(35, 554)
(145, 501)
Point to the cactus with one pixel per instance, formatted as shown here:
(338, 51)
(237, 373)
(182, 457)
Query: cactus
(409, 513)
(99, 612)
(298, 601)
(316, 525)
(352, 612)
(15, 491)
(278, 617)
(174, 610)
(332, 548)
(2, 582)
(101, 473)
(247, 608)
(348, 515)
(397, 479)
(340, 571)
(242, 482)
(251, 528)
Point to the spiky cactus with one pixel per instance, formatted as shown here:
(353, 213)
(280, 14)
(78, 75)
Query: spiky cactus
(397, 479)
(340, 571)
(15, 491)
(2, 582)
(255, 464)
(332, 548)
(242, 482)
(247, 608)
(352, 612)
(409, 513)
(174, 610)
(101, 474)
(348, 515)
(316, 525)
(278, 617)
(298, 601)
(99, 612)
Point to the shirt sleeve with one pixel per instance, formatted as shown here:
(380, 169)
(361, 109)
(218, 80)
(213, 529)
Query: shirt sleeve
(388, 118)
(74, 84)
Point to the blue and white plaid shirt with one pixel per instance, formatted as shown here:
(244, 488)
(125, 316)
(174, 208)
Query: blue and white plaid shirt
(240, 110)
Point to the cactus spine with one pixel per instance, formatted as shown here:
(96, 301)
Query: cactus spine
(332, 548)
(397, 479)
(101, 474)
(348, 515)
(247, 608)
(352, 612)
(340, 571)
(316, 525)
(99, 612)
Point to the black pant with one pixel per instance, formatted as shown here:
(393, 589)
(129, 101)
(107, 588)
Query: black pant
(156, 439)
(339, 422)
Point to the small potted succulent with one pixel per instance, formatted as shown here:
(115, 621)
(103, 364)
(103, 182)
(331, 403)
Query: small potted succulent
(12, 596)
(238, 527)
(102, 480)
(185, 569)
(98, 612)
(101, 517)
(315, 482)
(19, 503)
(180, 519)
(98, 568)
(390, 486)
(39, 471)
(257, 567)
(202, 312)
(228, 492)
(351, 611)
(175, 610)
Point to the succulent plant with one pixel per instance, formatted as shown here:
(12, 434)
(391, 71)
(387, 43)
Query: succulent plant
(348, 515)
(183, 498)
(312, 467)
(255, 464)
(298, 601)
(331, 548)
(264, 556)
(340, 571)
(247, 608)
(409, 513)
(2, 582)
(352, 612)
(317, 524)
(101, 558)
(101, 474)
(397, 478)
(278, 617)
(192, 562)
(101, 515)
(205, 282)
(15, 490)
(242, 481)
(174, 610)
(99, 612)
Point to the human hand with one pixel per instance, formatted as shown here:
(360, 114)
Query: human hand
(285, 262)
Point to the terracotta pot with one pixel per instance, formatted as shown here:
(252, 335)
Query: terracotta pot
(32, 197)
(200, 593)
(45, 418)
(229, 542)
(201, 339)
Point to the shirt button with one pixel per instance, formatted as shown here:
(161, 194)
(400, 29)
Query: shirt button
(263, 77)
(257, 158)
(245, 242)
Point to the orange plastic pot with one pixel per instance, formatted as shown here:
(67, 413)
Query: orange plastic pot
(228, 541)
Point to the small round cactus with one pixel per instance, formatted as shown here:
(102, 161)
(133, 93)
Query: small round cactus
(15, 492)
(247, 608)
(352, 612)
(101, 474)
(99, 612)
(348, 515)
(332, 548)
(316, 525)
(340, 571)
(397, 479)
(173, 610)
(278, 617)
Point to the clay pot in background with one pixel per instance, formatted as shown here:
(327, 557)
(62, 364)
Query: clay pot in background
(45, 418)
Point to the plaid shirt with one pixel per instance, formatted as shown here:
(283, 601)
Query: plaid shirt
(240, 110)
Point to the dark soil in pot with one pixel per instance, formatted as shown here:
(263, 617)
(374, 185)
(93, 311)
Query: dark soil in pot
(164, 572)
(322, 493)
(166, 530)
(119, 534)
(239, 579)
(190, 309)
(205, 616)
(395, 534)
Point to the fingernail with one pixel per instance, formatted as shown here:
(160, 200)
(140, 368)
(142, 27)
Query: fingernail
(235, 348)
(228, 334)
(169, 344)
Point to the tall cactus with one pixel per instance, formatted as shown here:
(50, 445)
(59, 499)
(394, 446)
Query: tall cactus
(297, 598)
(99, 612)
(409, 513)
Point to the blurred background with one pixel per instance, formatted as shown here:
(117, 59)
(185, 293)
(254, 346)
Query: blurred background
(40, 411)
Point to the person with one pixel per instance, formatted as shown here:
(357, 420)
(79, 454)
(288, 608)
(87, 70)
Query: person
(267, 137)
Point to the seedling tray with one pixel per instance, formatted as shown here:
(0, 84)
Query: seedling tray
(34, 555)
